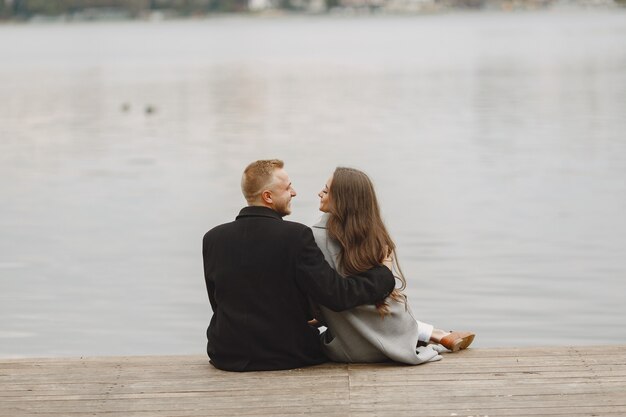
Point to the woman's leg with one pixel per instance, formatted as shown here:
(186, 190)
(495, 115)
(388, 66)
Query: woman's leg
(453, 341)
(437, 335)
(424, 332)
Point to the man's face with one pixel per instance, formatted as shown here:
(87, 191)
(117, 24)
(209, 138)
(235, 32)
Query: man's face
(282, 193)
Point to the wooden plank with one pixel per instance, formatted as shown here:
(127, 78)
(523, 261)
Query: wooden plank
(542, 381)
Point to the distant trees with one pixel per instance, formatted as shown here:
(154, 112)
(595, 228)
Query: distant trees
(27, 8)
(23, 9)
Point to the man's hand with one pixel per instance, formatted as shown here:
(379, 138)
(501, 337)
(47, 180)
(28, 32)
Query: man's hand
(388, 259)
(388, 262)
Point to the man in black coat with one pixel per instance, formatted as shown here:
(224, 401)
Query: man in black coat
(260, 272)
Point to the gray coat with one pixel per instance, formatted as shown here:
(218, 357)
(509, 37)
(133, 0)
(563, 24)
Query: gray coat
(361, 334)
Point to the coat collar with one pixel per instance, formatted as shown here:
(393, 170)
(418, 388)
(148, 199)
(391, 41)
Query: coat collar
(321, 224)
(258, 211)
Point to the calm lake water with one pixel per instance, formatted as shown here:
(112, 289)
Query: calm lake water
(497, 143)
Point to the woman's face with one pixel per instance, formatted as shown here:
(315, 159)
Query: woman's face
(325, 196)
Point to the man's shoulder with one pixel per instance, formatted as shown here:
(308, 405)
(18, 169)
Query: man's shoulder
(295, 225)
(285, 225)
(287, 228)
(302, 231)
(219, 229)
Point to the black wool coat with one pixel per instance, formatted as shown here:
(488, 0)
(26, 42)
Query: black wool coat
(260, 271)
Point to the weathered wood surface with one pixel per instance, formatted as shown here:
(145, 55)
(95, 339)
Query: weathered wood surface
(557, 381)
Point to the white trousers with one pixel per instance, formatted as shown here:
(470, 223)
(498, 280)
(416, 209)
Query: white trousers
(424, 331)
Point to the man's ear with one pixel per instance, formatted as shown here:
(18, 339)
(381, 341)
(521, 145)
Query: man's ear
(266, 196)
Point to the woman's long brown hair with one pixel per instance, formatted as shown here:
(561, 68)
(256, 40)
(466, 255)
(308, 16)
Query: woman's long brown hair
(355, 223)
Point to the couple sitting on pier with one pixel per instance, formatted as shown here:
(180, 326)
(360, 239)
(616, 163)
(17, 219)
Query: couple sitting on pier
(272, 282)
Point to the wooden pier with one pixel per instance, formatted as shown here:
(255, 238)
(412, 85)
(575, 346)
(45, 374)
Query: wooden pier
(548, 381)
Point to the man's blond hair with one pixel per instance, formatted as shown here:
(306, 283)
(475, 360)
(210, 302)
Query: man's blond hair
(257, 176)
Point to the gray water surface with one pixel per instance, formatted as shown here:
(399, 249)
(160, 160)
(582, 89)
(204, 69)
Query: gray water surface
(497, 143)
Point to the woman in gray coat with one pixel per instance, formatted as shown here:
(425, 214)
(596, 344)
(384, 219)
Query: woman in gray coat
(353, 237)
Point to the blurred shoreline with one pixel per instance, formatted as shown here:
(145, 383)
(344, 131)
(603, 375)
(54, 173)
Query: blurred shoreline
(11, 12)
